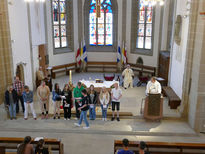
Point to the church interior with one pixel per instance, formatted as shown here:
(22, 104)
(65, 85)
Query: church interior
(146, 58)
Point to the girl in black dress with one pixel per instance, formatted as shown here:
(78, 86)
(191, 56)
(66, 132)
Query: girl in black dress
(67, 102)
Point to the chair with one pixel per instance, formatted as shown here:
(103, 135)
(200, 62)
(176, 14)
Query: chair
(109, 78)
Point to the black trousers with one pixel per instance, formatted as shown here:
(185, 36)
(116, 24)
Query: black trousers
(22, 103)
(77, 111)
(67, 112)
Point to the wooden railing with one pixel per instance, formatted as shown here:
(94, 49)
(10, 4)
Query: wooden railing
(62, 68)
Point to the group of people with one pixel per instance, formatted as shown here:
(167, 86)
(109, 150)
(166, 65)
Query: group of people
(125, 150)
(84, 100)
(27, 148)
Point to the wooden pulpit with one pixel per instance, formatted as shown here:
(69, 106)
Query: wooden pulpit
(153, 109)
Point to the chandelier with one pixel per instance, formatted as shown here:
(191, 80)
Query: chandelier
(152, 2)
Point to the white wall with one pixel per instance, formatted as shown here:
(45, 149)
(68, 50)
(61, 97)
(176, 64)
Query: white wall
(18, 20)
(102, 56)
(178, 52)
(148, 60)
(63, 58)
(25, 46)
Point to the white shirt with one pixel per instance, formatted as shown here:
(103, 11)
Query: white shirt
(116, 94)
(105, 100)
(153, 88)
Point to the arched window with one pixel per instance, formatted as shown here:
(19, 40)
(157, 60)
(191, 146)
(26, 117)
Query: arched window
(101, 31)
(62, 24)
(142, 27)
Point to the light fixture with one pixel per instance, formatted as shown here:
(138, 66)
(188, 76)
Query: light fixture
(152, 2)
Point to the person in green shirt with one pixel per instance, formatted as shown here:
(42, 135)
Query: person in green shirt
(78, 98)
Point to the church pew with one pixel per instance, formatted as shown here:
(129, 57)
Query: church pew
(174, 100)
(101, 66)
(143, 69)
(62, 68)
(11, 143)
(164, 147)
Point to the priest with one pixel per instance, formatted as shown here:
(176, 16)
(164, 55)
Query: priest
(153, 87)
(128, 76)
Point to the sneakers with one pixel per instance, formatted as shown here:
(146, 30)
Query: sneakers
(65, 119)
(46, 116)
(58, 117)
(113, 118)
(118, 119)
(103, 119)
(25, 118)
(54, 117)
(35, 118)
(14, 118)
(68, 119)
(86, 127)
(76, 124)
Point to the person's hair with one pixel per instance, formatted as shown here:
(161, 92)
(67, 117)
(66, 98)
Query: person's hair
(55, 86)
(84, 91)
(9, 86)
(65, 86)
(154, 78)
(106, 92)
(91, 91)
(79, 84)
(21, 148)
(43, 81)
(125, 142)
(26, 87)
(39, 145)
(142, 145)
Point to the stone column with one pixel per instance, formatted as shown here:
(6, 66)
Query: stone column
(5, 55)
(193, 100)
(5, 50)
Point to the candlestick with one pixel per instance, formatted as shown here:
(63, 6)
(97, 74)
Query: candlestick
(70, 76)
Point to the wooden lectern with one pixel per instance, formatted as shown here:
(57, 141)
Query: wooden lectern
(153, 109)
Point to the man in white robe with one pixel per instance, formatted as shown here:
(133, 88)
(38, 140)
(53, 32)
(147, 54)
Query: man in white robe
(153, 87)
(128, 77)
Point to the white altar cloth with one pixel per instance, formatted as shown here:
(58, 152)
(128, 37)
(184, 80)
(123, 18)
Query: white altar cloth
(106, 84)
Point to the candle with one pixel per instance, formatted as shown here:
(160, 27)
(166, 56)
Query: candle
(70, 75)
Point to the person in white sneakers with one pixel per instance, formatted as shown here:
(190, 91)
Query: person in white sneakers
(104, 101)
(28, 101)
(116, 95)
(84, 107)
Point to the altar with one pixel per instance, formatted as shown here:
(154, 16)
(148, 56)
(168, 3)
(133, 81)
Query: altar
(106, 84)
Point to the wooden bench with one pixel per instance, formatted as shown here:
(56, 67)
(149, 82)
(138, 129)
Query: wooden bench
(174, 100)
(101, 66)
(164, 147)
(7, 143)
(143, 69)
(62, 68)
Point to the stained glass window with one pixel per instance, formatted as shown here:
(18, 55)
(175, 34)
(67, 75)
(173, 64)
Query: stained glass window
(144, 25)
(59, 23)
(101, 29)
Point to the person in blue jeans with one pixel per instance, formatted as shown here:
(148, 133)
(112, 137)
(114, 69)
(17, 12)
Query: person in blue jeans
(125, 149)
(93, 101)
(84, 107)
(104, 101)
(11, 99)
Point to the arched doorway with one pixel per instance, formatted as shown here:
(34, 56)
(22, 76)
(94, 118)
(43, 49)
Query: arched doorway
(20, 72)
